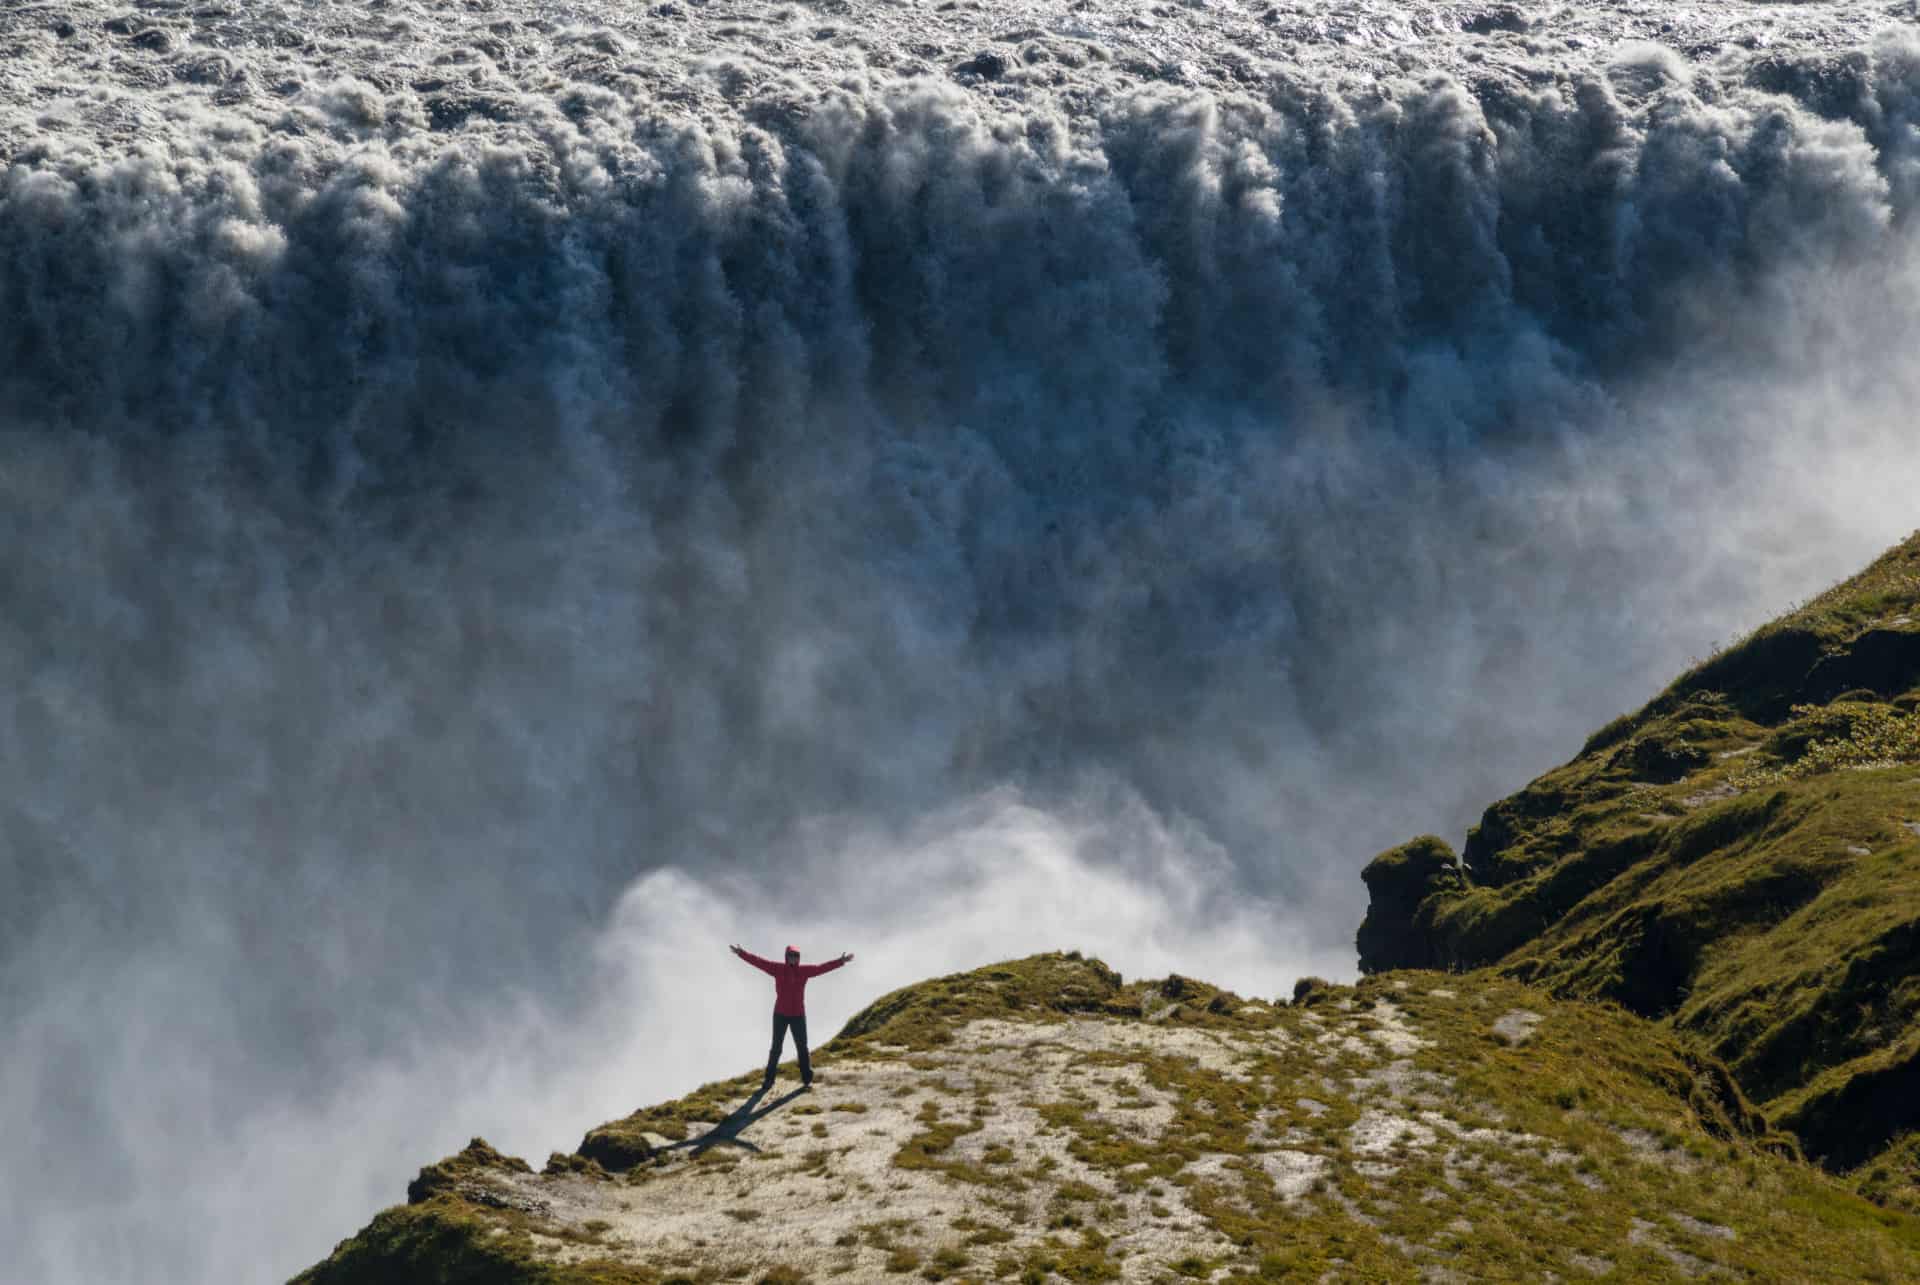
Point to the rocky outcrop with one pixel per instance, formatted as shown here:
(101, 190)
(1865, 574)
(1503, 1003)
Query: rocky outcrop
(1731, 868)
(615, 1149)
(1042, 1120)
(456, 1172)
(1733, 860)
(1399, 882)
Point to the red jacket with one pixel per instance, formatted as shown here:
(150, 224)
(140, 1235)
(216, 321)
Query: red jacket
(790, 982)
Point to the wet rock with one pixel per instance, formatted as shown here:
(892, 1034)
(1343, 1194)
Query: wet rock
(451, 111)
(1486, 22)
(983, 66)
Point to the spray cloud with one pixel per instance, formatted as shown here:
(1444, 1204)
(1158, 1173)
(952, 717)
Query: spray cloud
(498, 508)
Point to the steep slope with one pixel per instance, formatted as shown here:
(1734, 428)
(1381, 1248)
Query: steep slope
(1740, 859)
(1042, 1120)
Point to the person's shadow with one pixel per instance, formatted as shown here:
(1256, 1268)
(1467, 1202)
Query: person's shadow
(729, 1129)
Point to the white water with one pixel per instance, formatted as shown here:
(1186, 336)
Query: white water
(500, 503)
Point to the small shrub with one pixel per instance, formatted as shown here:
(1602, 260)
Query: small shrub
(1309, 990)
(946, 1262)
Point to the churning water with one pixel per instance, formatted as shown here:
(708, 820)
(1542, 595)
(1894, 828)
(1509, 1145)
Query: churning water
(501, 499)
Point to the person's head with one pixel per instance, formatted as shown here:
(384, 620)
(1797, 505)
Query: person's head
(793, 954)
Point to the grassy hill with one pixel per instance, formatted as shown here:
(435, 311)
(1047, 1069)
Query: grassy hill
(1043, 1120)
(1656, 1020)
(1739, 860)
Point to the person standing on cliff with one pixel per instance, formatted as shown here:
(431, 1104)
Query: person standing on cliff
(790, 1005)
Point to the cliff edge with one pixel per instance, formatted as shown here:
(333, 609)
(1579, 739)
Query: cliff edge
(1043, 1120)
(1659, 1018)
(1739, 860)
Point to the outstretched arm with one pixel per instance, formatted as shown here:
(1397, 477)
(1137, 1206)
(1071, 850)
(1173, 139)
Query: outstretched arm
(814, 970)
(753, 959)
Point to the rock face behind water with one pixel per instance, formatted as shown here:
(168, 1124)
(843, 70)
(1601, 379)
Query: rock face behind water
(1044, 1119)
(1740, 860)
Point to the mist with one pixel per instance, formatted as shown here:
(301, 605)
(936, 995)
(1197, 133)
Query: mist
(494, 514)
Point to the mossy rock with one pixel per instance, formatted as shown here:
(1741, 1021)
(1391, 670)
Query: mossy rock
(445, 1176)
(615, 1148)
(1549, 1137)
(441, 1241)
(1844, 639)
(1660, 759)
(1761, 676)
(1852, 1114)
(561, 1162)
(1879, 662)
(1491, 850)
(1398, 881)
(1739, 858)
(1835, 721)
(1311, 990)
(921, 1016)
(1892, 1179)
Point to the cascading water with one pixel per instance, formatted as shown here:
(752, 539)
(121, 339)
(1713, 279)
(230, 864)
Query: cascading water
(491, 493)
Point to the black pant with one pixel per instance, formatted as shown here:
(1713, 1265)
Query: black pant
(781, 1023)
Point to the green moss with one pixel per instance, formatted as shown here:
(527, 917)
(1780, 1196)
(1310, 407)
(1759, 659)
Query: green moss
(1738, 858)
(1398, 881)
(1081, 1259)
(449, 1175)
(1890, 587)
(1832, 738)
(444, 1241)
(948, 1260)
(560, 1162)
(1892, 1178)
(923, 1016)
(931, 1148)
(437, 1240)
(1550, 1147)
